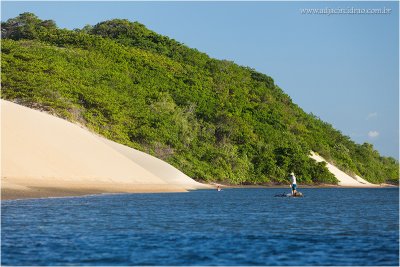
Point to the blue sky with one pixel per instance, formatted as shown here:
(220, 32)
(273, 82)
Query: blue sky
(342, 68)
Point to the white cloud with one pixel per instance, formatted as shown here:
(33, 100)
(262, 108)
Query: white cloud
(372, 115)
(373, 134)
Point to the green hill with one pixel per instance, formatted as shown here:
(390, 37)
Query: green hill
(212, 119)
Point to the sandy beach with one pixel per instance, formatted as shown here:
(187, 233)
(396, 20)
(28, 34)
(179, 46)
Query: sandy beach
(45, 156)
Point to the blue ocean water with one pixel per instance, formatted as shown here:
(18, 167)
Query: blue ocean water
(205, 227)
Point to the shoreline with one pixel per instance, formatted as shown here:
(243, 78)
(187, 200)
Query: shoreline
(384, 185)
(41, 192)
(306, 186)
(75, 190)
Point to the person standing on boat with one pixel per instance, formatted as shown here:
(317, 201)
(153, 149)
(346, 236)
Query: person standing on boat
(294, 183)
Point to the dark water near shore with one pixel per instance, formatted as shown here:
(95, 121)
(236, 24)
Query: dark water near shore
(232, 227)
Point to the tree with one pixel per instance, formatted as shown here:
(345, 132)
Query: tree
(25, 26)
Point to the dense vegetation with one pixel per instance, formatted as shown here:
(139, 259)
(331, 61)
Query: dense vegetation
(212, 119)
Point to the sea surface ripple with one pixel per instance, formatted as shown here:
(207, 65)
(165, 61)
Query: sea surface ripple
(205, 227)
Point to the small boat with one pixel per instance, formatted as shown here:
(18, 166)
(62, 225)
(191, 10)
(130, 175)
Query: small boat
(298, 194)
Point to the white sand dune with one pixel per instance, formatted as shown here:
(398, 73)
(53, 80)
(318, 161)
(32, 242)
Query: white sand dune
(42, 152)
(156, 166)
(344, 178)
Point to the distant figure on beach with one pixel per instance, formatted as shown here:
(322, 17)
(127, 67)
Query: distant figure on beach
(219, 188)
(294, 183)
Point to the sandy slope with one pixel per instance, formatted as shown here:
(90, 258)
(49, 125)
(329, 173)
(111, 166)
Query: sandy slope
(156, 166)
(344, 179)
(42, 155)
